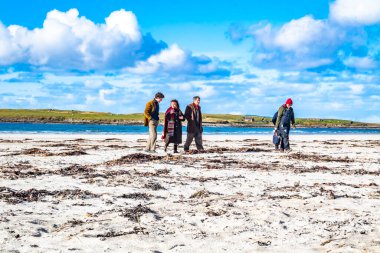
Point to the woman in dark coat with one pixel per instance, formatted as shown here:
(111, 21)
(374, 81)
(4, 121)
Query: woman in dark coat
(173, 125)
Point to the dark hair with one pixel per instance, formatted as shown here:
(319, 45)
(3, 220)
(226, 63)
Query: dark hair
(175, 101)
(196, 97)
(159, 95)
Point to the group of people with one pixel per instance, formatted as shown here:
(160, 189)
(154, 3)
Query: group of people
(174, 117)
(172, 132)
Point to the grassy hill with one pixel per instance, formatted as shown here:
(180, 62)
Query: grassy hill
(72, 116)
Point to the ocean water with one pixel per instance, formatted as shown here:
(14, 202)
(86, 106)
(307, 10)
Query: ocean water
(129, 129)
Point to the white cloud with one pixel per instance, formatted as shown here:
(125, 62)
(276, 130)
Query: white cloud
(298, 34)
(9, 51)
(360, 62)
(357, 89)
(69, 41)
(105, 92)
(375, 97)
(101, 98)
(371, 119)
(299, 44)
(336, 106)
(308, 43)
(124, 23)
(93, 83)
(175, 60)
(169, 59)
(90, 99)
(69, 96)
(318, 97)
(256, 91)
(206, 91)
(355, 12)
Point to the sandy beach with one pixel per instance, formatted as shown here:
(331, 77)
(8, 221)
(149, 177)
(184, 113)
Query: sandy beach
(102, 193)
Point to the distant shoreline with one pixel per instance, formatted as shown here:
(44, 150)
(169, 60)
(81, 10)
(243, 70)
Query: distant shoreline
(52, 116)
(209, 124)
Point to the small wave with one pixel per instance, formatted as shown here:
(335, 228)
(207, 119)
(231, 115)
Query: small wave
(37, 128)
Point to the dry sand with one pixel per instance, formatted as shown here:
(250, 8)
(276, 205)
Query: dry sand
(101, 193)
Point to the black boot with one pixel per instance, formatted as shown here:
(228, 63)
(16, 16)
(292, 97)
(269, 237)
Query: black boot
(166, 146)
(175, 148)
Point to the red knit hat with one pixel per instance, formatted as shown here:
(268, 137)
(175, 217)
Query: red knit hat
(289, 101)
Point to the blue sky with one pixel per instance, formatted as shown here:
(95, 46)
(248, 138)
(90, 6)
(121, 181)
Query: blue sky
(243, 57)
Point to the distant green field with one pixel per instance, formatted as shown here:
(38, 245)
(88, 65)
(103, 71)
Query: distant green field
(65, 115)
(71, 116)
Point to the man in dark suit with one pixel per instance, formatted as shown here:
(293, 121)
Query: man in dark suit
(193, 116)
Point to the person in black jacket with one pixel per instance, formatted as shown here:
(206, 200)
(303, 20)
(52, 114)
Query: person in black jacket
(193, 115)
(285, 117)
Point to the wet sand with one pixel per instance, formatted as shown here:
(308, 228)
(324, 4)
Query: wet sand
(102, 193)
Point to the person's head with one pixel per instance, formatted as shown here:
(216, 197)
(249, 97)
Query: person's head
(289, 103)
(196, 100)
(174, 104)
(159, 96)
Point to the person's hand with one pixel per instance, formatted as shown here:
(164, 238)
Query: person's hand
(180, 117)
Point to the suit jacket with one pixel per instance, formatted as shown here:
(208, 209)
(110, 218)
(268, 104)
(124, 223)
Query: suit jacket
(149, 109)
(190, 114)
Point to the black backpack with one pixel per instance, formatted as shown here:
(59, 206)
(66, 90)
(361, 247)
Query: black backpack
(274, 118)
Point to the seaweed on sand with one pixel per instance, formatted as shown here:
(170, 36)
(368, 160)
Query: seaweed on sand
(221, 150)
(41, 152)
(136, 195)
(76, 169)
(72, 153)
(319, 158)
(14, 196)
(112, 233)
(200, 194)
(34, 151)
(215, 213)
(154, 186)
(133, 158)
(135, 213)
(17, 171)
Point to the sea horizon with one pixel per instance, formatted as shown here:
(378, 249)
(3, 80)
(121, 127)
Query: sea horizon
(89, 128)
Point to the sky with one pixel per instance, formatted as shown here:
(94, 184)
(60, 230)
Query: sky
(240, 57)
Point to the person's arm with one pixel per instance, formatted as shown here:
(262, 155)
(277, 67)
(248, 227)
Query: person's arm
(181, 115)
(293, 120)
(200, 119)
(188, 113)
(279, 115)
(165, 130)
(148, 110)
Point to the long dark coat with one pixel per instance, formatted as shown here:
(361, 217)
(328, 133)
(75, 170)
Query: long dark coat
(190, 113)
(177, 137)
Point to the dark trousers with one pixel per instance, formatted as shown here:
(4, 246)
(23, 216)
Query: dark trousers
(175, 147)
(284, 134)
(189, 140)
